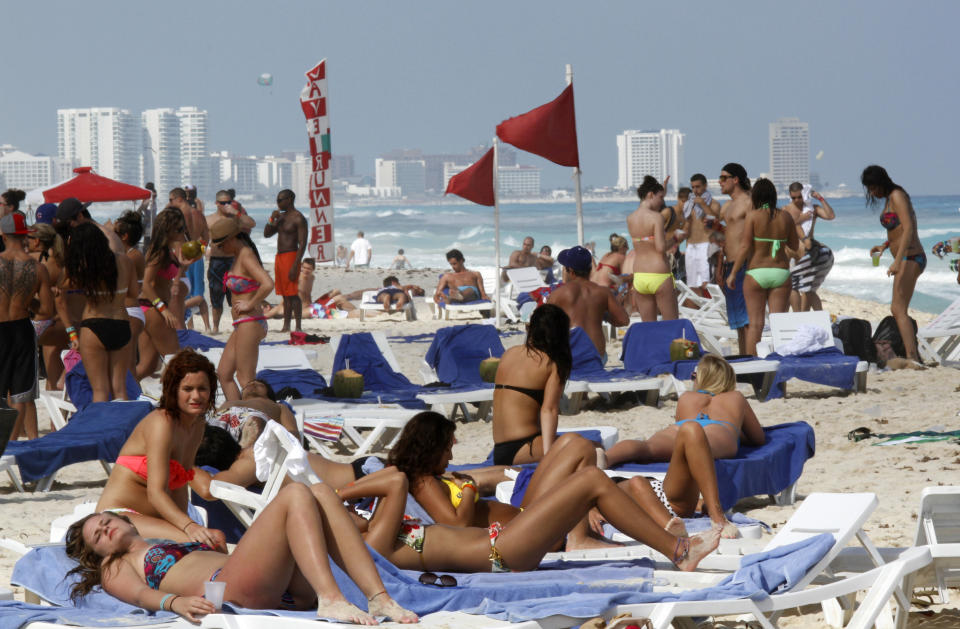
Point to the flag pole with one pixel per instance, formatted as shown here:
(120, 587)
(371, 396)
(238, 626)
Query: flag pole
(576, 179)
(496, 228)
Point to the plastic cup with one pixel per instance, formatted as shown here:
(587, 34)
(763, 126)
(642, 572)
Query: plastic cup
(876, 259)
(213, 592)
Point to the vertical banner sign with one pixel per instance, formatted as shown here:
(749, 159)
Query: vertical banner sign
(313, 101)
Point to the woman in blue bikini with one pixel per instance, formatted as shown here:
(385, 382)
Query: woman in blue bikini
(711, 422)
(766, 232)
(909, 259)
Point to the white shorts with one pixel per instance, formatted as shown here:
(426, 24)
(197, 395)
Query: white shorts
(698, 266)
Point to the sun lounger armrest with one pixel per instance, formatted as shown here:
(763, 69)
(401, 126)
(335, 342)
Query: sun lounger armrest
(222, 490)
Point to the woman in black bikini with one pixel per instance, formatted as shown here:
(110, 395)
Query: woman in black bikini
(249, 284)
(909, 259)
(526, 396)
(105, 279)
(162, 270)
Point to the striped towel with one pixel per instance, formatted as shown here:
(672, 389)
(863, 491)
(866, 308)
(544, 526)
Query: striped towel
(326, 428)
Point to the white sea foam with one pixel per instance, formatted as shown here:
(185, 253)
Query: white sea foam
(473, 232)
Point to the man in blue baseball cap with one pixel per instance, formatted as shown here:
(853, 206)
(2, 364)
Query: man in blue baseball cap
(586, 303)
(45, 213)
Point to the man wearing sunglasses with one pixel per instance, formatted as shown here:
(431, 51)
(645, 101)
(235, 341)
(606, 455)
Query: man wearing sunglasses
(220, 262)
(735, 183)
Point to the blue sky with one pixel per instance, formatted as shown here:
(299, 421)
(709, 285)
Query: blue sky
(877, 81)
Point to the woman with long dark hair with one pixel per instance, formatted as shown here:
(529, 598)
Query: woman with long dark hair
(652, 279)
(105, 279)
(162, 269)
(249, 284)
(903, 241)
(766, 231)
(129, 227)
(526, 395)
(48, 247)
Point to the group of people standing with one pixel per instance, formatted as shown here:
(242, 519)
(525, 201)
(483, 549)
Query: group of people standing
(747, 246)
(70, 283)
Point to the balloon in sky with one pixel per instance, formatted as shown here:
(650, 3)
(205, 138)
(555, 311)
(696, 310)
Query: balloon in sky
(265, 79)
(820, 155)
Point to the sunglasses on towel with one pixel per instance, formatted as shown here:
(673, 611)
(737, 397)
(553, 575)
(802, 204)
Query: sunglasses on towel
(443, 580)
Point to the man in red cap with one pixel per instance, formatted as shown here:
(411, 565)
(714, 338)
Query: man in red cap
(21, 278)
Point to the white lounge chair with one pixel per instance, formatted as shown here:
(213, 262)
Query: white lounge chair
(938, 523)
(8, 418)
(365, 426)
(939, 340)
(368, 302)
(784, 326)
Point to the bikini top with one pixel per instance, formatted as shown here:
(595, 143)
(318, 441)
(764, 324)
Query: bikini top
(178, 476)
(535, 394)
(643, 238)
(889, 220)
(711, 394)
(456, 495)
(673, 218)
(170, 271)
(239, 284)
(163, 556)
(614, 269)
(774, 244)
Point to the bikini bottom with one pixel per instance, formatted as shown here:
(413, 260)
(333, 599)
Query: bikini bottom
(262, 320)
(769, 276)
(648, 283)
(504, 452)
(114, 334)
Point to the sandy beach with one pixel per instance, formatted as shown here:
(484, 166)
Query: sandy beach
(896, 401)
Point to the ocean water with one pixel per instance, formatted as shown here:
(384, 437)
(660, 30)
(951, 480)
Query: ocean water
(426, 232)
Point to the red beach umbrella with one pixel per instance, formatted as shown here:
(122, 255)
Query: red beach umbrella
(90, 187)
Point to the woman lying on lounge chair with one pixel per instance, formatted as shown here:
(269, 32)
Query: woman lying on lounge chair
(526, 396)
(521, 544)
(424, 450)
(282, 561)
(710, 424)
(149, 481)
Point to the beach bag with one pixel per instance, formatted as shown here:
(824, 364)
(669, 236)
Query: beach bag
(887, 340)
(857, 338)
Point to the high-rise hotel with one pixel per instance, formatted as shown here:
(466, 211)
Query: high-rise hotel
(654, 153)
(106, 138)
(789, 153)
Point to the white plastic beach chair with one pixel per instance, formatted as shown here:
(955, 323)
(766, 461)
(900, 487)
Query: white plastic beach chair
(8, 418)
(368, 302)
(945, 326)
(938, 523)
(247, 505)
(365, 427)
(784, 325)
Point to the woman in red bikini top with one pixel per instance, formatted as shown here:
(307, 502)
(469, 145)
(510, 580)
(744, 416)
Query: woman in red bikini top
(148, 483)
(608, 271)
(249, 284)
(163, 262)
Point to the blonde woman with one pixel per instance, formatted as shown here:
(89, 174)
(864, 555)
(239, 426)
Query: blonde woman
(711, 423)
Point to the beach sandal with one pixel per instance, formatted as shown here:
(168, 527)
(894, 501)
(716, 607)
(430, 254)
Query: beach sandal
(859, 434)
(622, 621)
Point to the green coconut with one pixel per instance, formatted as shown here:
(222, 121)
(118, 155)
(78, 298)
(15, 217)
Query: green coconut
(684, 349)
(488, 369)
(347, 383)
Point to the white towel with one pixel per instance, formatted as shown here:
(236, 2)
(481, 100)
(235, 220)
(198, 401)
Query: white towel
(807, 198)
(269, 449)
(689, 206)
(808, 338)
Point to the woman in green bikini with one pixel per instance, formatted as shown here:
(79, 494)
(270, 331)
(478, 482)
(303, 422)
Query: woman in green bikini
(767, 232)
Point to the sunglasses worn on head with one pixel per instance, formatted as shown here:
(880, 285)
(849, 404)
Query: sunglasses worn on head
(443, 580)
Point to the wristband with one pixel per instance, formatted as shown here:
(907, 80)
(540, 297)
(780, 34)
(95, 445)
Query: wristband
(886, 244)
(73, 336)
(71, 329)
(160, 306)
(163, 601)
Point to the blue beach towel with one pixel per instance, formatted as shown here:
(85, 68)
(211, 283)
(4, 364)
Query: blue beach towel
(306, 381)
(367, 359)
(828, 366)
(192, 338)
(80, 393)
(456, 353)
(96, 432)
(646, 348)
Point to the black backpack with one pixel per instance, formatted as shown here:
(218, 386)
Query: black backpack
(856, 335)
(888, 335)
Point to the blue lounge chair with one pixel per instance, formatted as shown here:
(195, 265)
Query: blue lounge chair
(588, 372)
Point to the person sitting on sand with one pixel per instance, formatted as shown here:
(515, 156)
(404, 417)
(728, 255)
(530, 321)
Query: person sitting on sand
(424, 450)
(711, 422)
(462, 285)
(521, 544)
(400, 262)
(149, 480)
(282, 561)
(586, 303)
(527, 390)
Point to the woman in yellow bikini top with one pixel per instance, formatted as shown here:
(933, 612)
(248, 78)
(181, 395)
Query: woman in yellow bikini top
(767, 235)
(653, 292)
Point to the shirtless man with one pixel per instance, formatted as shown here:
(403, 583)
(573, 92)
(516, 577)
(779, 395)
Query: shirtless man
(21, 278)
(392, 294)
(522, 257)
(461, 285)
(699, 210)
(586, 303)
(220, 262)
(291, 229)
(194, 201)
(734, 182)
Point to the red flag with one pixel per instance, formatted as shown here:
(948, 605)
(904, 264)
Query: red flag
(549, 131)
(476, 182)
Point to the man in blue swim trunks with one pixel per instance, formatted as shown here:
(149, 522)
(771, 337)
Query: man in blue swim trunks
(734, 182)
(461, 285)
